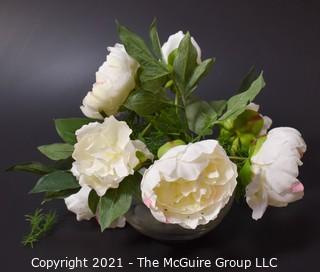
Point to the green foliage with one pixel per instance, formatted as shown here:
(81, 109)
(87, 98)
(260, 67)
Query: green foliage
(238, 103)
(67, 127)
(59, 195)
(55, 182)
(201, 117)
(93, 201)
(155, 41)
(184, 65)
(145, 102)
(116, 202)
(57, 151)
(153, 74)
(199, 72)
(40, 224)
(32, 167)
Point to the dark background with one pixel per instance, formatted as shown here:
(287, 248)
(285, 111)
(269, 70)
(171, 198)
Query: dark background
(49, 52)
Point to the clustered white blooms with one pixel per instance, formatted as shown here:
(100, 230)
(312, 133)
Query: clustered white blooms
(275, 171)
(189, 184)
(104, 154)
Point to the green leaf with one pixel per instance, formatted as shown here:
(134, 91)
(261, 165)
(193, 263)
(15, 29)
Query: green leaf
(57, 151)
(170, 121)
(201, 117)
(66, 128)
(146, 103)
(63, 164)
(32, 167)
(238, 103)
(59, 195)
(199, 72)
(185, 63)
(136, 48)
(248, 80)
(93, 201)
(218, 106)
(152, 79)
(155, 41)
(115, 203)
(55, 182)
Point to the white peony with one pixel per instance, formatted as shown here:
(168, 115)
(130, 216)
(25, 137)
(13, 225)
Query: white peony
(267, 121)
(190, 184)
(173, 43)
(115, 79)
(104, 154)
(78, 204)
(275, 171)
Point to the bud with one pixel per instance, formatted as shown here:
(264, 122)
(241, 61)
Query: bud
(164, 148)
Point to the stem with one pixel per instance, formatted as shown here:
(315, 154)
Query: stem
(237, 158)
(145, 130)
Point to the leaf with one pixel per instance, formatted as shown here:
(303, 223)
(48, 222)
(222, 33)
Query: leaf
(199, 72)
(201, 117)
(57, 151)
(170, 121)
(59, 195)
(116, 202)
(145, 103)
(238, 103)
(153, 73)
(185, 63)
(55, 182)
(93, 201)
(32, 167)
(248, 80)
(65, 164)
(66, 128)
(136, 48)
(218, 106)
(155, 41)
(152, 80)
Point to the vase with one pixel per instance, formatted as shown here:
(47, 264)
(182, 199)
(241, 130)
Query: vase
(141, 219)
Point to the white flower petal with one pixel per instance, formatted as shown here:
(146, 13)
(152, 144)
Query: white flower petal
(275, 171)
(78, 204)
(178, 189)
(114, 81)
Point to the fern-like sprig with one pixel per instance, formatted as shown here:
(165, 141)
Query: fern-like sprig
(40, 224)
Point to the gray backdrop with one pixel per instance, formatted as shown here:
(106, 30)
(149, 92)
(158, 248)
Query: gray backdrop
(49, 52)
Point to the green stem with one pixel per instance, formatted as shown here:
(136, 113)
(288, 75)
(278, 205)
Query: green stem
(145, 130)
(237, 158)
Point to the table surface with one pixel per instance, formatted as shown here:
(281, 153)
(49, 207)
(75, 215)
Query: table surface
(49, 52)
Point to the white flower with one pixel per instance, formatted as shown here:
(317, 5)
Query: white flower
(173, 43)
(115, 79)
(267, 121)
(275, 171)
(78, 204)
(104, 154)
(190, 184)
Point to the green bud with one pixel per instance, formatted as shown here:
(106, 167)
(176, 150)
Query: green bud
(164, 148)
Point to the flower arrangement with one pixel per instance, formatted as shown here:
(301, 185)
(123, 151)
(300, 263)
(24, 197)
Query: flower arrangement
(146, 138)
